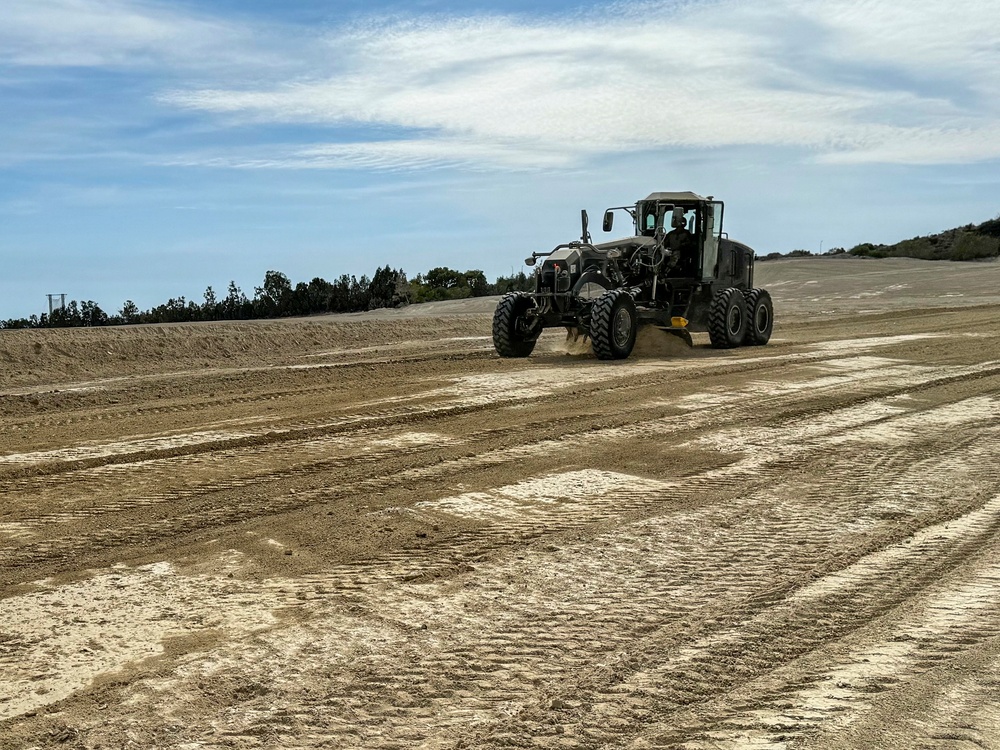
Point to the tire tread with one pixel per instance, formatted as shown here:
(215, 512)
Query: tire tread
(753, 296)
(718, 319)
(504, 342)
(601, 313)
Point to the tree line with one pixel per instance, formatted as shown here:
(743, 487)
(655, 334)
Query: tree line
(277, 297)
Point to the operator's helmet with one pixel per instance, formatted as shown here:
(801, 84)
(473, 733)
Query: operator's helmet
(678, 221)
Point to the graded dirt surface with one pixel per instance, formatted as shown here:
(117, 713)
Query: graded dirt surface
(371, 532)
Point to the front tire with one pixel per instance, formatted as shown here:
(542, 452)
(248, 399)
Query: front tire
(761, 317)
(614, 323)
(512, 336)
(727, 319)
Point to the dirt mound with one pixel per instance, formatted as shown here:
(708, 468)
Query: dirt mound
(649, 342)
(652, 342)
(33, 357)
(814, 289)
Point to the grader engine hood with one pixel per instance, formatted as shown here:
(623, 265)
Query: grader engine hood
(561, 269)
(567, 258)
(626, 243)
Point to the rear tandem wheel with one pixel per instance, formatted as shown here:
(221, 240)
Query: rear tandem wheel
(727, 319)
(761, 317)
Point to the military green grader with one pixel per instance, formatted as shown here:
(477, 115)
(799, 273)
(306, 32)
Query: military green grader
(678, 272)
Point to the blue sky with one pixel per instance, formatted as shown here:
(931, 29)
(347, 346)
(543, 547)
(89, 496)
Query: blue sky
(150, 149)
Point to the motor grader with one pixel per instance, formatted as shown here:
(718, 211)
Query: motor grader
(678, 271)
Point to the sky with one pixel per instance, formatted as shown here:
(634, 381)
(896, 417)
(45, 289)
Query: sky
(151, 149)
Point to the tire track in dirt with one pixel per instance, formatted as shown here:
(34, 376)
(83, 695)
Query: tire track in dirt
(231, 472)
(599, 624)
(569, 642)
(951, 705)
(951, 612)
(238, 470)
(192, 381)
(574, 597)
(118, 616)
(228, 508)
(488, 391)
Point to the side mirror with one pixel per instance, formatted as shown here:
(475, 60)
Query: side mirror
(609, 220)
(530, 260)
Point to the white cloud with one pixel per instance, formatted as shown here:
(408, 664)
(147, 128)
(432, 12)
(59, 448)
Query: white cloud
(933, 39)
(850, 80)
(427, 153)
(846, 81)
(108, 33)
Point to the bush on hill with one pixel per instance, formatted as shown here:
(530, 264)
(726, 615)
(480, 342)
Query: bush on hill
(970, 242)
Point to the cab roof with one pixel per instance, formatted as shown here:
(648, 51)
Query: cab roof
(685, 197)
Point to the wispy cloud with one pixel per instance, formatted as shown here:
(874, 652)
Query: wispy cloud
(849, 81)
(423, 154)
(118, 33)
(843, 81)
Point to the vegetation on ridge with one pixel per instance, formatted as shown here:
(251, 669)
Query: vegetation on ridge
(971, 242)
(278, 298)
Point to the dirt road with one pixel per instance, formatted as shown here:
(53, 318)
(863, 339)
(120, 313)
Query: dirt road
(373, 533)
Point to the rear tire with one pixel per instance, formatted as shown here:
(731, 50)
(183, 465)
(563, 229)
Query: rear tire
(511, 335)
(727, 319)
(761, 317)
(614, 323)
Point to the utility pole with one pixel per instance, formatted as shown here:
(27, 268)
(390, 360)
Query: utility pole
(52, 298)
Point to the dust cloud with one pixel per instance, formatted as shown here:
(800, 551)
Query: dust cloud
(580, 347)
(649, 342)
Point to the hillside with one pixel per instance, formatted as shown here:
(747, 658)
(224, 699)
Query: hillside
(971, 242)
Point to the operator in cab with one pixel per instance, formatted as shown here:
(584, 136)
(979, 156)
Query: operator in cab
(679, 241)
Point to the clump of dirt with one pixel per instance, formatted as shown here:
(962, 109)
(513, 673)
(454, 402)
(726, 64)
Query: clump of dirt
(652, 342)
(649, 342)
